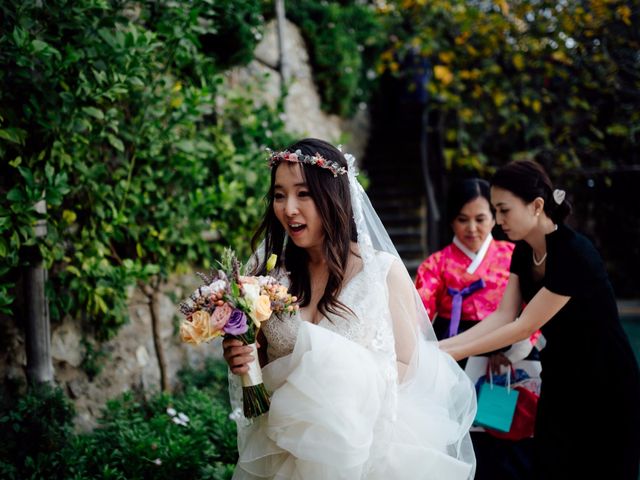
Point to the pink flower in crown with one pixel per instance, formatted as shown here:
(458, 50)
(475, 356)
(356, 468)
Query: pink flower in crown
(292, 157)
(220, 316)
(319, 161)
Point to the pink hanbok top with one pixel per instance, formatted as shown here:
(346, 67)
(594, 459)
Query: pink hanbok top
(447, 268)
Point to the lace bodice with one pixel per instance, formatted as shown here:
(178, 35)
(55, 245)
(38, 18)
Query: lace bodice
(370, 314)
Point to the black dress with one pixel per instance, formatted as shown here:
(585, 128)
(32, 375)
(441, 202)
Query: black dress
(588, 416)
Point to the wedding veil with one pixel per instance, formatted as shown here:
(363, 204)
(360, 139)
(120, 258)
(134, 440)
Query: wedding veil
(433, 391)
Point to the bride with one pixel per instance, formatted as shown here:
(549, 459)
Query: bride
(359, 388)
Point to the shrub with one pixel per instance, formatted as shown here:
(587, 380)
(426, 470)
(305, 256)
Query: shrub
(185, 436)
(34, 431)
(140, 439)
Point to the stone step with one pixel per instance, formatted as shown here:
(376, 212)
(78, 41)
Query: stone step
(405, 231)
(394, 201)
(410, 250)
(397, 184)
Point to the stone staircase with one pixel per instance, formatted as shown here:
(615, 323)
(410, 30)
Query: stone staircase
(397, 194)
(393, 164)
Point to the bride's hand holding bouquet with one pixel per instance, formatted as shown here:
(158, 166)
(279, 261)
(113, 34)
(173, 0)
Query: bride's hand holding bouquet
(234, 306)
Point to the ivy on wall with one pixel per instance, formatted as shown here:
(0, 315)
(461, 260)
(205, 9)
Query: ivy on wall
(108, 111)
(344, 40)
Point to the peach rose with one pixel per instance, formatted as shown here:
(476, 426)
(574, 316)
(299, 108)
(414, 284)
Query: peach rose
(188, 333)
(262, 309)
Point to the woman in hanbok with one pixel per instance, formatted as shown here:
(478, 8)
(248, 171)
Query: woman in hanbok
(359, 388)
(588, 418)
(462, 284)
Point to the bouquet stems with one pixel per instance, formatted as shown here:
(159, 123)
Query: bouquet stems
(255, 398)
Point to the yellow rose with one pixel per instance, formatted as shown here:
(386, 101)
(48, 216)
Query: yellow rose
(262, 309)
(201, 325)
(188, 333)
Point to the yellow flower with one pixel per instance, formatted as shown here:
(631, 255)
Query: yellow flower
(262, 310)
(446, 57)
(624, 12)
(197, 329)
(536, 105)
(518, 61)
(201, 324)
(271, 263)
(443, 74)
(187, 333)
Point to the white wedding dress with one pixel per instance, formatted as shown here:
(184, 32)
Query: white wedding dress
(362, 396)
(365, 395)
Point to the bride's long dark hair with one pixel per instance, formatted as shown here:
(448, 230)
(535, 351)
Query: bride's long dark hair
(332, 199)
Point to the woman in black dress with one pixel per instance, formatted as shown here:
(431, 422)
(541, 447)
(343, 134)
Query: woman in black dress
(589, 409)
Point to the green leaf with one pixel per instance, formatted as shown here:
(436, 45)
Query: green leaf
(16, 195)
(73, 270)
(115, 142)
(19, 36)
(49, 171)
(93, 112)
(14, 135)
(39, 45)
(618, 130)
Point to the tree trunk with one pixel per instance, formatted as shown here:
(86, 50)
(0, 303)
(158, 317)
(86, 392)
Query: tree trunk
(37, 328)
(152, 294)
(280, 27)
(37, 325)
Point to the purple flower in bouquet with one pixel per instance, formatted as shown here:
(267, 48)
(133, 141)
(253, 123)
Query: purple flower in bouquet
(237, 323)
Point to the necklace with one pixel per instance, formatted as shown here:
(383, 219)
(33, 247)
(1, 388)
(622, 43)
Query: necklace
(537, 262)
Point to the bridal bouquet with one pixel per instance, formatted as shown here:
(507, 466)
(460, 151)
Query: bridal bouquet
(235, 305)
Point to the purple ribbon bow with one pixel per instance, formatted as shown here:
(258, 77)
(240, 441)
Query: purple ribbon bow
(456, 303)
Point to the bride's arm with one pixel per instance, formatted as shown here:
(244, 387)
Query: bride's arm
(402, 305)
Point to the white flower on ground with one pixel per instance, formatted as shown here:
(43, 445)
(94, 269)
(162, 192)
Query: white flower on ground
(235, 414)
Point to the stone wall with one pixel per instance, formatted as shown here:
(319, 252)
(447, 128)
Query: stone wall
(303, 115)
(130, 361)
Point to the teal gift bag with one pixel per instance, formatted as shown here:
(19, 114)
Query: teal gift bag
(496, 406)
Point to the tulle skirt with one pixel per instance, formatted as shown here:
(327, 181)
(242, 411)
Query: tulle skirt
(334, 415)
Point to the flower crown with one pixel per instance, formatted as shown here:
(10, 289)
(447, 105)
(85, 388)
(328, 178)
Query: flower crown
(318, 160)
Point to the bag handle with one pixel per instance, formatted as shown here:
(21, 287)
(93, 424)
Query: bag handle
(489, 374)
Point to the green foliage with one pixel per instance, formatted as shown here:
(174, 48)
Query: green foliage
(139, 439)
(344, 39)
(557, 81)
(212, 377)
(34, 430)
(114, 113)
(184, 436)
(92, 359)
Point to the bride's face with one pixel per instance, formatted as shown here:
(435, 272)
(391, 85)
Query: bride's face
(295, 208)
